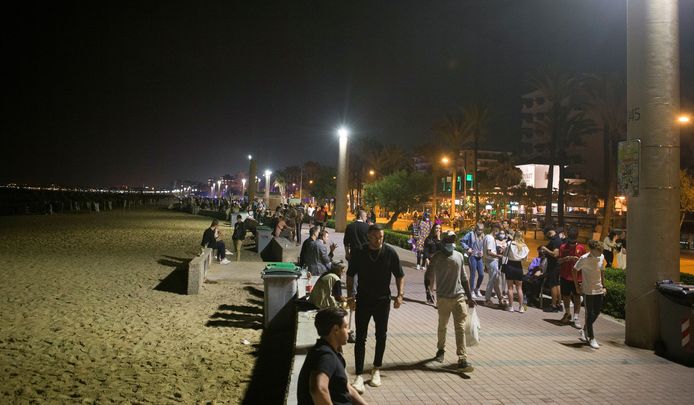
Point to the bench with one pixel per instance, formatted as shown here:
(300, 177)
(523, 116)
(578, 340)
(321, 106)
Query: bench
(197, 271)
(306, 336)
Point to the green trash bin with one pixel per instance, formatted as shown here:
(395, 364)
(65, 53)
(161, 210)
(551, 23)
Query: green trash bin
(676, 302)
(280, 282)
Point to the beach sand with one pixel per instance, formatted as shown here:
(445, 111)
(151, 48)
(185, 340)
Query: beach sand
(86, 317)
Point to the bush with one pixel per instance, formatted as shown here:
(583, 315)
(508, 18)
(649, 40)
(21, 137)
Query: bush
(330, 223)
(397, 239)
(615, 282)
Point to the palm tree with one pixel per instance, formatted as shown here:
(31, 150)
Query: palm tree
(394, 159)
(432, 153)
(476, 117)
(281, 183)
(504, 175)
(560, 89)
(607, 99)
(453, 136)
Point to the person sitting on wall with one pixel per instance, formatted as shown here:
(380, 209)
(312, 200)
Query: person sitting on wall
(212, 238)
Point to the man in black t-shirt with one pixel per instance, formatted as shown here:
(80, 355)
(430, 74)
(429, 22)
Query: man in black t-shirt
(322, 378)
(551, 252)
(374, 266)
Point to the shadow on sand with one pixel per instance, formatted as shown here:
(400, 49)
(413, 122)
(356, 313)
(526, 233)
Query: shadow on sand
(177, 281)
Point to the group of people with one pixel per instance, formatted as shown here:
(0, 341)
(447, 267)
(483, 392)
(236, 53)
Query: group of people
(213, 238)
(573, 272)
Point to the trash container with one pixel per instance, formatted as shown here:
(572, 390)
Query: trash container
(263, 238)
(676, 302)
(280, 281)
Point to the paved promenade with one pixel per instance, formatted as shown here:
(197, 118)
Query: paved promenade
(522, 358)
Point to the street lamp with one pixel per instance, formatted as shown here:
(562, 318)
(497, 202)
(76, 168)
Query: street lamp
(253, 182)
(267, 187)
(684, 119)
(341, 196)
(243, 188)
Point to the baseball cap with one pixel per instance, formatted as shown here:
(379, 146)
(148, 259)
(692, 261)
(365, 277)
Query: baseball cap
(448, 241)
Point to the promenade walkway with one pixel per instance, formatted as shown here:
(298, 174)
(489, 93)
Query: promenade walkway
(522, 358)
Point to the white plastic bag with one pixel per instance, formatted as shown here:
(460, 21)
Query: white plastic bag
(472, 328)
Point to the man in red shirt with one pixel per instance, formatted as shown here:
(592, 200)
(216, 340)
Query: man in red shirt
(569, 252)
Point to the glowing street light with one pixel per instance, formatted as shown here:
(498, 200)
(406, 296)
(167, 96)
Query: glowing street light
(372, 172)
(342, 173)
(684, 119)
(243, 187)
(267, 187)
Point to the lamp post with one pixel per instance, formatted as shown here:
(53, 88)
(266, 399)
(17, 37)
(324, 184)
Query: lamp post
(653, 96)
(243, 188)
(341, 196)
(219, 188)
(445, 161)
(253, 178)
(267, 187)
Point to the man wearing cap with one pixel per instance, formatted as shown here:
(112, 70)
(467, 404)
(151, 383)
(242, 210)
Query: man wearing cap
(453, 297)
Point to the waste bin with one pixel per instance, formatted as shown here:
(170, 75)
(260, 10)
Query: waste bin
(264, 237)
(676, 302)
(280, 281)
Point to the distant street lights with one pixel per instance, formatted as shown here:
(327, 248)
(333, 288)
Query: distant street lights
(341, 196)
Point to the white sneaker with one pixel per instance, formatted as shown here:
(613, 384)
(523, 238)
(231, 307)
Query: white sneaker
(358, 384)
(582, 336)
(473, 295)
(229, 252)
(419, 267)
(375, 378)
(577, 322)
(594, 344)
(225, 261)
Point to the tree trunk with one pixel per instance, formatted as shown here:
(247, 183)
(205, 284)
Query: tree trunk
(393, 218)
(476, 180)
(550, 195)
(610, 185)
(560, 197)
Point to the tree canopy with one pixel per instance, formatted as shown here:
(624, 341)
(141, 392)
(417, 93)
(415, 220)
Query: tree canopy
(398, 192)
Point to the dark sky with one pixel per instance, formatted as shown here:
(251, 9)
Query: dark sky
(146, 93)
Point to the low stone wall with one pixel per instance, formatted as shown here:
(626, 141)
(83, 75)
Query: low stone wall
(306, 337)
(197, 270)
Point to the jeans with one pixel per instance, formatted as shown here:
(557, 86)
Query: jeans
(379, 310)
(298, 231)
(494, 276)
(457, 307)
(593, 308)
(420, 258)
(221, 250)
(476, 269)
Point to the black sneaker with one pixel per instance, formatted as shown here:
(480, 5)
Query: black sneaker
(464, 366)
(439, 356)
(430, 298)
(351, 338)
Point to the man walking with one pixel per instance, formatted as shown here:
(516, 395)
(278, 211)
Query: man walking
(551, 252)
(322, 379)
(374, 266)
(473, 244)
(452, 288)
(238, 236)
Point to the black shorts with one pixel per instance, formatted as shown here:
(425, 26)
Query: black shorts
(552, 278)
(567, 287)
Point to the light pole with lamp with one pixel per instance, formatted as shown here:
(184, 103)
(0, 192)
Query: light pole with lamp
(341, 195)
(267, 187)
(243, 188)
(253, 180)
(445, 161)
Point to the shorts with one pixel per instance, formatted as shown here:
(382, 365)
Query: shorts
(552, 277)
(567, 287)
(513, 271)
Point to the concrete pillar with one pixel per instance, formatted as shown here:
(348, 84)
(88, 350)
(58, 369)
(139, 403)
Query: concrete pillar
(267, 189)
(653, 215)
(342, 181)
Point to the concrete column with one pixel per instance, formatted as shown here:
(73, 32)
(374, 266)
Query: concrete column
(267, 188)
(653, 216)
(342, 181)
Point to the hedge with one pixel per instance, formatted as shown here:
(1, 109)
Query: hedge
(615, 282)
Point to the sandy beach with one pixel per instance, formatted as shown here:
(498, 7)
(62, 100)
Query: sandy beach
(86, 317)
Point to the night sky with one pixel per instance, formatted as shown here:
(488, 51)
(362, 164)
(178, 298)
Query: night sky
(146, 93)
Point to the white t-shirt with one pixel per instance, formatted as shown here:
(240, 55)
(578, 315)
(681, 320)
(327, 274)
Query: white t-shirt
(489, 244)
(310, 211)
(591, 268)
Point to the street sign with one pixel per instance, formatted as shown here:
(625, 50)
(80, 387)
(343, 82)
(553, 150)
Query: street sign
(628, 167)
